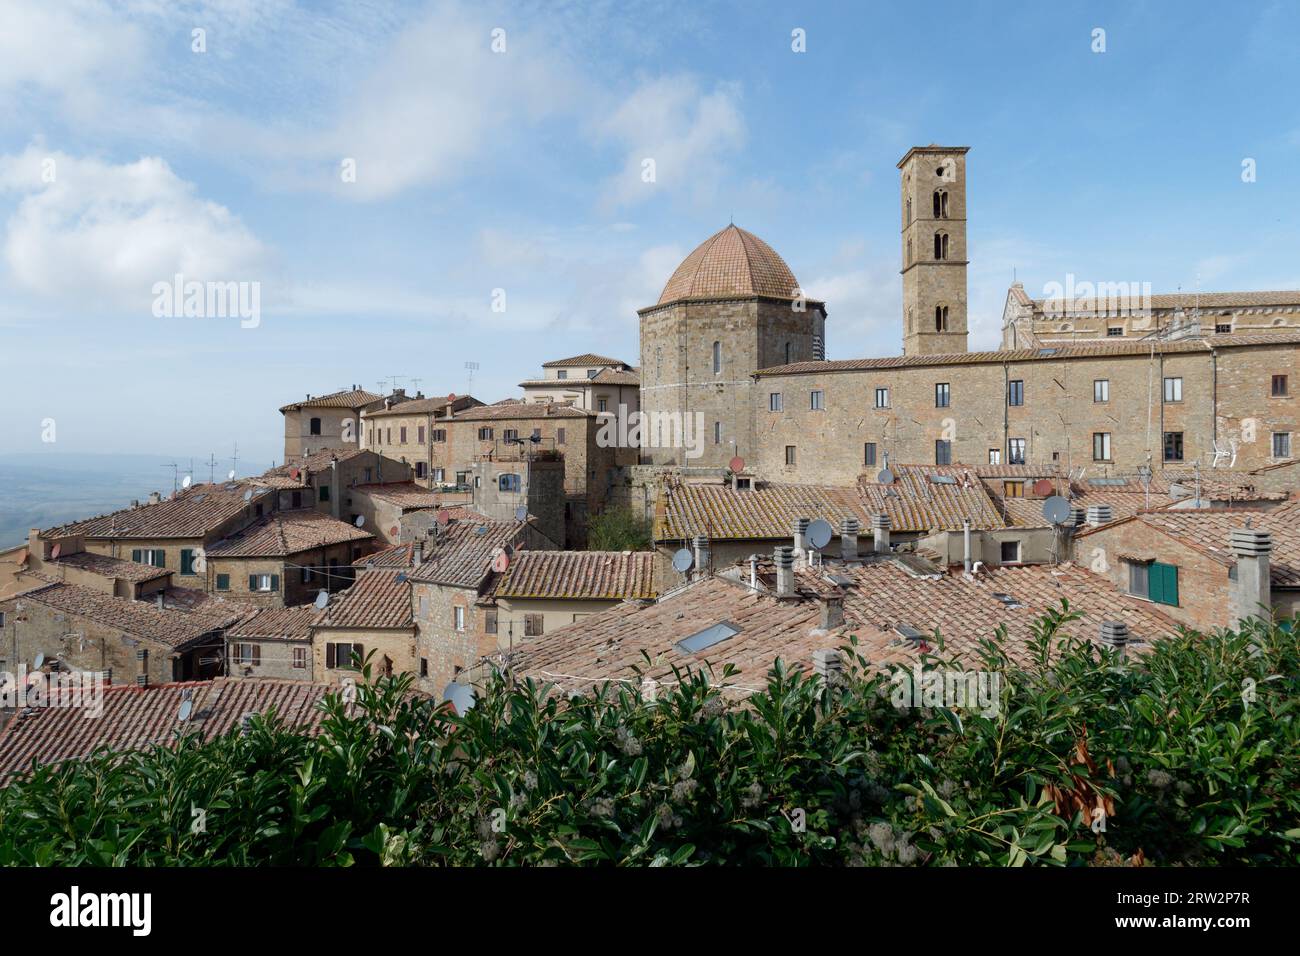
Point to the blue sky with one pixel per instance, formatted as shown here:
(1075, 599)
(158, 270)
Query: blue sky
(520, 171)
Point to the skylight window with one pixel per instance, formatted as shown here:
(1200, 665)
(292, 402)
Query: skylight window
(943, 479)
(701, 640)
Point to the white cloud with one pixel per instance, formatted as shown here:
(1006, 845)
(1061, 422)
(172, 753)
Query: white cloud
(685, 130)
(105, 233)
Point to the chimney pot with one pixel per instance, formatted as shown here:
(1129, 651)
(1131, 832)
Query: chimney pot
(784, 558)
(849, 528)
(828, 665)
(800, 537)
(701, 556)
(1250, 593)
(1099, 515)
(832, 611)
(880, 531)
(1114, 634)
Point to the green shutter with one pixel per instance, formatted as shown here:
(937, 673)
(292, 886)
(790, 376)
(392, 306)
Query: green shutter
(252, 582)
(137, 555)
(275, 582)
(1164, 583)
(223, 582)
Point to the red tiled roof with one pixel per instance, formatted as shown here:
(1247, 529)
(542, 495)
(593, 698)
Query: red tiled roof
(191, 513)
(283, 533)
(587, 358)
(1213, 301)
(766, 511)
(379, 599)
(282, 623)
(110, 567)
(317, 461)
(435, 405)
(398, 556)
(522, 410)
(406, 495)
(916, 502)
(585, 575)
(462, 553)
(137, 718)
(348, 398)
(732, 263)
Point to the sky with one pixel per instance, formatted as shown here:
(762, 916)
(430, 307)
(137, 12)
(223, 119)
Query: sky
(404, 188)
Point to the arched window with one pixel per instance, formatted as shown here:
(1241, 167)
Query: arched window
(909, 250)
(941, 245)
(909, 210)
(941, 318)
(941, 204)
(717, 357)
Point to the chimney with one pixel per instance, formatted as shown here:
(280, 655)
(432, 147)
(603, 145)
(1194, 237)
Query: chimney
(880, 531)
(832, 610)
(828, 665)
(154, 497)
(1099, 515)
(800, 537)
(701, 556)
(965, 552)
(1077, 517)
(784, 558)
(1114, 634)
(849, 538)
(753, 572)
(418, 551)
(160, 601)
(1251, 592)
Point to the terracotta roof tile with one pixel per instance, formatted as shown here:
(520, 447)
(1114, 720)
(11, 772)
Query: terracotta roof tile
(589, 575)
(916, 501)
(406, 495)
(587, 358)
(732, 263)
(191, 513)
(348, 398)
(462, 553)
(110, 567)
(1206, 301)
(284, 623)
(521, 410)
(763, 512)
(380, 599)
(284, 533)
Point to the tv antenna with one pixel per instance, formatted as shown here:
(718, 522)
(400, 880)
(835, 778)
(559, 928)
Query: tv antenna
(471, 367)
(212, 467)
(234, 460)
(175, 474)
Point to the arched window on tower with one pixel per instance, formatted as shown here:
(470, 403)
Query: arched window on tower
(941, 318)
(941, 204)
(909, 211)
(941, 245)
(909, 250)
(717, 357)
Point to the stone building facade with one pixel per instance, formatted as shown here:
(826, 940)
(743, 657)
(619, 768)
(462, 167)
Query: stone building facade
(934, 249)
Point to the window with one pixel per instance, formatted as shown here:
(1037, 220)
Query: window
(424, 667)
(300, 658)
(941, 245)
(592, 372)
(1281, 444)
(789, 353)
(995, 456)
(156, 557)
(1101, 390)
(439, 474)
(562, 374)
(187, 561)
(223, 582)
(702, 640)
(344, 656)
(458, 618)
(817, 400)
(1155, 582)
(315, 426)
(869, 454)
(1013, 489)
(490, 621)
(1279, 386)
(401, 434)
(508, 482)
(1101, 446)
(510, 435)
(323, 493)
(602, 404)
(439, 434)
(717, 357)
(942, 395)
(1016, 392)
(1010, 552)
(534, 625)
(388, 435)
(420, 434)
(942, 452)
(1222, 328)
(485, 434)
(559, 436)
(250, 654)
(1115, 330)
(941, 318)
(717, 433)
(941, 204)
(1016, 451)
(1173, 446)
(789, 455)
(1173, 390)
(774, 402)
(421, 469)
(296, 499)
(264, 582)
(882, 398)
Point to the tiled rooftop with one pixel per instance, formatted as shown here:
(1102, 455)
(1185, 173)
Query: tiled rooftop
(378, 599)
(732, 263)
(110, 567)
(136, 718)
(398, 556)
(317, 461)
(1189, 301)
(587, 358)
(521, 411)
(283, 623)
(283, 533)
(916, 501)
(582, 575)
(435, 405)
(191, 513)
(348, 398)
(462, 553)
(767, 511)
(406, 495)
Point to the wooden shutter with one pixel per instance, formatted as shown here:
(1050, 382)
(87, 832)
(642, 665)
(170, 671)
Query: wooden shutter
(329, 655)
(252, 582)
(1164, 583)
(137, 555)
(275, 582)
(257, 654)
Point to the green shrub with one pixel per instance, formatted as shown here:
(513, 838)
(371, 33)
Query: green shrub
(618, 529)
(1187, 767)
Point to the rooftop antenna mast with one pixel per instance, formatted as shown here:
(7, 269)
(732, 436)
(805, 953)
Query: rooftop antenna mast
(234, 460)
(471, 367)
(175, 473)
(394, 380)
(212, 467)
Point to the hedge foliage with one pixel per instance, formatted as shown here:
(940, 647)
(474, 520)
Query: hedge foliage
(1188, 755)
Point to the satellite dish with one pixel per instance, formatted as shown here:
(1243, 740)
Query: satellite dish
(294, 473)
(322, 599)
(501, 562)
(819, 534)
(39, 661)
(361, 519)
(248, 495)
(1043, 486)
(1056, 509)
(461, 696)
(683, 560)
(451, 397)
(231, 476)
(521, 513)
(56, 551)
(736, 464)
(187, 706)
(186, 481)
(394, 531)
(886, 477)
(442, 517)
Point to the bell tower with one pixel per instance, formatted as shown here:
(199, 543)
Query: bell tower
(934, 249)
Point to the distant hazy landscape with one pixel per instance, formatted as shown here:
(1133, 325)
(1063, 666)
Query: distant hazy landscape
(40, 490)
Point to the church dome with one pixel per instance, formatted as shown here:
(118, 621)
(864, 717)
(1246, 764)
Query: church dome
(729, 264)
